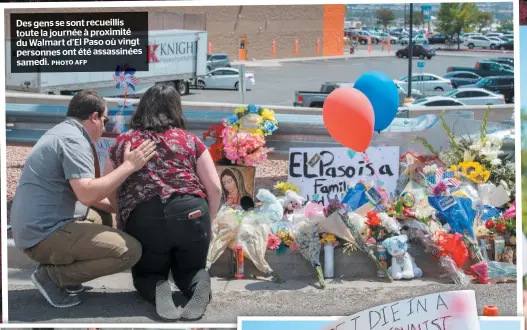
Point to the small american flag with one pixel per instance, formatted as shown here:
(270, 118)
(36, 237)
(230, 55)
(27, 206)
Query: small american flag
(448, 177)
(125, 77)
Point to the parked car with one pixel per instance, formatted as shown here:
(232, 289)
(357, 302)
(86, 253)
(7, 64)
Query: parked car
(509, 45)
(374, 39)
(317, 99)
(363, 40)
(438, 38)
(420, 51)
(428, 82)
(225, 78)
(434, 101)
(503, 85)
(497, 41)
(476, 96)
(494, 34)
(484, 69)
(460, 78)
(503, 60)
(480, 41)
(215, 61)
(418, 40)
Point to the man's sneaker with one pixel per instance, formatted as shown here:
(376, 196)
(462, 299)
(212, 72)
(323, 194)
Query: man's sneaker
(201, 296)
(55, 295)
(74, 289)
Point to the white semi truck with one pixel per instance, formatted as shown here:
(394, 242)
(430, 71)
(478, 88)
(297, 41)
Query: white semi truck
(179, 56)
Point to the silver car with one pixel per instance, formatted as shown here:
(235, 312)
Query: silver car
(226, 78)
(217, 60)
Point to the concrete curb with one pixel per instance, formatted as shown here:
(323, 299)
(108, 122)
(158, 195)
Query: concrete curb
(360, 55)
(16, 258)
(290, 265)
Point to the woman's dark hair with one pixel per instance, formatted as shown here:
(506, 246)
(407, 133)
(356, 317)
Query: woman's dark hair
(159, 110)
(227, 172)
(84, 104)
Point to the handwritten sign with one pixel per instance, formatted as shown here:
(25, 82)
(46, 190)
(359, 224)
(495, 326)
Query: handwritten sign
(452, 310)
(325, 174)
(102, 146)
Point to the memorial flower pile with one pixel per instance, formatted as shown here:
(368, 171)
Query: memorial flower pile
(240, 138)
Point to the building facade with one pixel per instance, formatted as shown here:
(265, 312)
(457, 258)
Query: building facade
(247, 32)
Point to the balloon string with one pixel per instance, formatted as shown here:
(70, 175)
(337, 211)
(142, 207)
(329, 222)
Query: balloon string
(367, 160)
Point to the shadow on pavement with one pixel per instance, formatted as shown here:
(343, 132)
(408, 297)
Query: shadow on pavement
(95, 306)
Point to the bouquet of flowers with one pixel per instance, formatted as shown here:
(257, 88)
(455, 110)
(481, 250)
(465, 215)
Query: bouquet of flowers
(381, 226)
(329, 239)
(480, 160)
(216, 132)
(240, 138)
(254, 120)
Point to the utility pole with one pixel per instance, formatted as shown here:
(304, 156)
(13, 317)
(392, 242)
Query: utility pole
(410, 49)
(404, 16)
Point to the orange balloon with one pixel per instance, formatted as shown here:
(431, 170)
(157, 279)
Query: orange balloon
(349, 118)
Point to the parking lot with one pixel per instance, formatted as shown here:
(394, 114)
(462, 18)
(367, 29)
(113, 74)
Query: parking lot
(276, 85)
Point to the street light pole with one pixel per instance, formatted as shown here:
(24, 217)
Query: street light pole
(405, 16)
(410, 49)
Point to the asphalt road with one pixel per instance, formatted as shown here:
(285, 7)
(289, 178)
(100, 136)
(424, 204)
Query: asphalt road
(276, 85)
(124, 306)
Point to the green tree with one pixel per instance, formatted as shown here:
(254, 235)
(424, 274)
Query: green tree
(506, 26)
(454, 18)
(417, 17)
(385, 17)
(483, 19)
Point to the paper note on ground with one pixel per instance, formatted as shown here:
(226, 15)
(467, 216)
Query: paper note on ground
(451, 310)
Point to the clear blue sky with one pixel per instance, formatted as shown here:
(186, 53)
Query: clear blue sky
(316, 325)
(523, 65)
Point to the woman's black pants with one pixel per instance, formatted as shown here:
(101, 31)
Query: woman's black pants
(170, 241)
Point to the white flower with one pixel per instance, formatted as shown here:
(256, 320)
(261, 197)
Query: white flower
(495, 140)
(468, 156)
(495, 162)
(391, 225)
(478, 145)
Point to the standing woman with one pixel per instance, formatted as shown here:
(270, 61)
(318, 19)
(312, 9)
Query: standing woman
(169, 205)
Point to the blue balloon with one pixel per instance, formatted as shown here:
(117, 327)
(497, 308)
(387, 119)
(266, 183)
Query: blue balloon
(383, 95)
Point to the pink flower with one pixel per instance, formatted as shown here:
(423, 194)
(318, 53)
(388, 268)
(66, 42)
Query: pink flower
(292, 247)
(273, 241)
(439, 188)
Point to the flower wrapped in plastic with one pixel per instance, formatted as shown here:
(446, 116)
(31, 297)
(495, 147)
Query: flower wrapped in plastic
(307, 235)
(225, 228)
(492, 272)
(253, 235)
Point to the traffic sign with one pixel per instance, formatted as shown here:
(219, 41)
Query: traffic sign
(420, 64)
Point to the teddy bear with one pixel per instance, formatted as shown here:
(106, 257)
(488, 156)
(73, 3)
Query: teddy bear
(403, 265)
(291, 201)
(271, 208)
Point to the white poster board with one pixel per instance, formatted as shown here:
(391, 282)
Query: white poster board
(452, 310)
(323, 174)
(102, 146)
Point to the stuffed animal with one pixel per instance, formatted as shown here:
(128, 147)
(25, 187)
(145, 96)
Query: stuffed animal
(291, 201)
(403, 265)
(272, 208)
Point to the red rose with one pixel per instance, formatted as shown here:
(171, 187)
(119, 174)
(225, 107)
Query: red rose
(501, 227)
(490, 224)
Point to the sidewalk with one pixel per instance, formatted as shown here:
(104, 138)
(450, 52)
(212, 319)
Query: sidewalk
(112, 299)
(362, 53)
